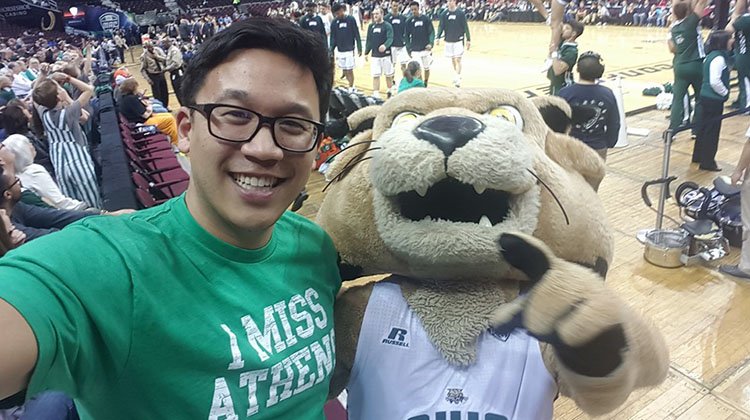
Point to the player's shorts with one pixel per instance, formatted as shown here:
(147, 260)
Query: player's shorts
(424, 57)
(399, 55)
(345, 60)
(381, 65)
(454, 49)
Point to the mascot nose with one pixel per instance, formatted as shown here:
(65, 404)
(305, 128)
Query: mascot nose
(449, 132)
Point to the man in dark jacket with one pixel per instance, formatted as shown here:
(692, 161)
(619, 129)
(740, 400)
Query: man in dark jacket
(344, 35)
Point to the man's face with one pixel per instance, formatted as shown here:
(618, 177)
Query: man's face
(34, 64)
(567, 31)
(377, 15)
(452, 4)
(310, 10)
(13, 192)
(414, 10)
(395, 8)
(220, 196)
(339, 14)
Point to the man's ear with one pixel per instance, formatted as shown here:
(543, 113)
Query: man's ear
(184, 125)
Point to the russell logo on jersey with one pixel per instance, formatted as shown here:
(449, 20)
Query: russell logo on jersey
(397, 337)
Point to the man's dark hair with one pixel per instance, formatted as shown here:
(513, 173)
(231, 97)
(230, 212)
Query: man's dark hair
(310, 5)
(338, 6)
(681, 9)
(718, 41)
(576, 26)
(304, 47)
(13, 119)
(590, 67)
(414, 3)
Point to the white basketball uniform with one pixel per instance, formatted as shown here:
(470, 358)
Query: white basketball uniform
(454, 49)
(345, 60)
(381, 66)
(424, 58)
(399, 374)
(399, 55)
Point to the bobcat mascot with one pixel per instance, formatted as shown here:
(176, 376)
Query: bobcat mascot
(496, 245)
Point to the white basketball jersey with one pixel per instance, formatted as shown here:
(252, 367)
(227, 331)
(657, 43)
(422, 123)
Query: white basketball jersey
(399, 375)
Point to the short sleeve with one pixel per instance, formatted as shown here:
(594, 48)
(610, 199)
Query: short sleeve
(569, 56)
(73, 113)
(73, 290)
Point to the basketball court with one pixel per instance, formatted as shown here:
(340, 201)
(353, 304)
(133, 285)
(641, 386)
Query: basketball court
(704, 315)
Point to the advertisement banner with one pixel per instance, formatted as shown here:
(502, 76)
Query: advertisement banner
(31, 16)
(97, 20)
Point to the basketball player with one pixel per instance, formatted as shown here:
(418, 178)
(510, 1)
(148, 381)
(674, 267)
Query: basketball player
(420, 36)
(453, 21)
(344, 34)
(379, 41)
(398, 22)
(311, 21)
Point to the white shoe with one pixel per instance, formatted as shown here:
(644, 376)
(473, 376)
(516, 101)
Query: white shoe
(457, 81)
(376, 94)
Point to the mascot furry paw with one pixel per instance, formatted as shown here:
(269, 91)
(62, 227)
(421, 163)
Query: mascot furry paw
(496, 245)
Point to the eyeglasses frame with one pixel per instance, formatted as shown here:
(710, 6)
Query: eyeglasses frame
(207, 108)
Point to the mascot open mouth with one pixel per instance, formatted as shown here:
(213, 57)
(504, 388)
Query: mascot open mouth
(455, 201)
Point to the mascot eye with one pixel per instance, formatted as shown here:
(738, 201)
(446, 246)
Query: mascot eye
(508, 113)
(405, 117)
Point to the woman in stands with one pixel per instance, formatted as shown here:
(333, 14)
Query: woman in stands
(35, 177)
(133, 108)
(16, 119)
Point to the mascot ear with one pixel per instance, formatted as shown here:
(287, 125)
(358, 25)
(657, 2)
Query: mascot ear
(555, 111)
(575, 155)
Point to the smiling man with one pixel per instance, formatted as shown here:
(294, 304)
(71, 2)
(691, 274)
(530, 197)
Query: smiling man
(217, 304)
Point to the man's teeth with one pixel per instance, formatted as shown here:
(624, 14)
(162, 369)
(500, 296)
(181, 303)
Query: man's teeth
(485, 221)
(252, 181)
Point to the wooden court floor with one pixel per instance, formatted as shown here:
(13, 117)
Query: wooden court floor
(704, 315)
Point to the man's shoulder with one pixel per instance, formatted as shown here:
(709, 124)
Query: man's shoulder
(300, 224)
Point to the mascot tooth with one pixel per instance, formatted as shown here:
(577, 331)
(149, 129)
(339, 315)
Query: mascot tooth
(496, 244)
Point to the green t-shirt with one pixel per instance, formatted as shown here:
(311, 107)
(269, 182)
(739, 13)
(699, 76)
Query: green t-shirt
(568, 52)
(148, 316)
(405, 84)
(686, 36)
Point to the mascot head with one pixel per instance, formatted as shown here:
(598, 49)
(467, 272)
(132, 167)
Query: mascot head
(433, 177)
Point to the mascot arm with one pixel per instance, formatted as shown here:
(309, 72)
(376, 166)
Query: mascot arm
(599, 349)
(349, 312)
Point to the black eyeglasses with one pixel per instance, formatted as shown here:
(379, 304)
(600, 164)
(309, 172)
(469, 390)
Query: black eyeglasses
(239, 125)
(18, 180)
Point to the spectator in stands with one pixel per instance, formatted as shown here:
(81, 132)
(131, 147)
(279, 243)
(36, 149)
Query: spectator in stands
(32, 71)
(582, 12)
(20, 85)
(153, 61)
(601, 131)
(629, 16)
(16, 118)
(221, 223)
(33, 221)
(6, 92)
(640, 14)
(35, 177)
(68, 145)
(133, 108)
(174, 66)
